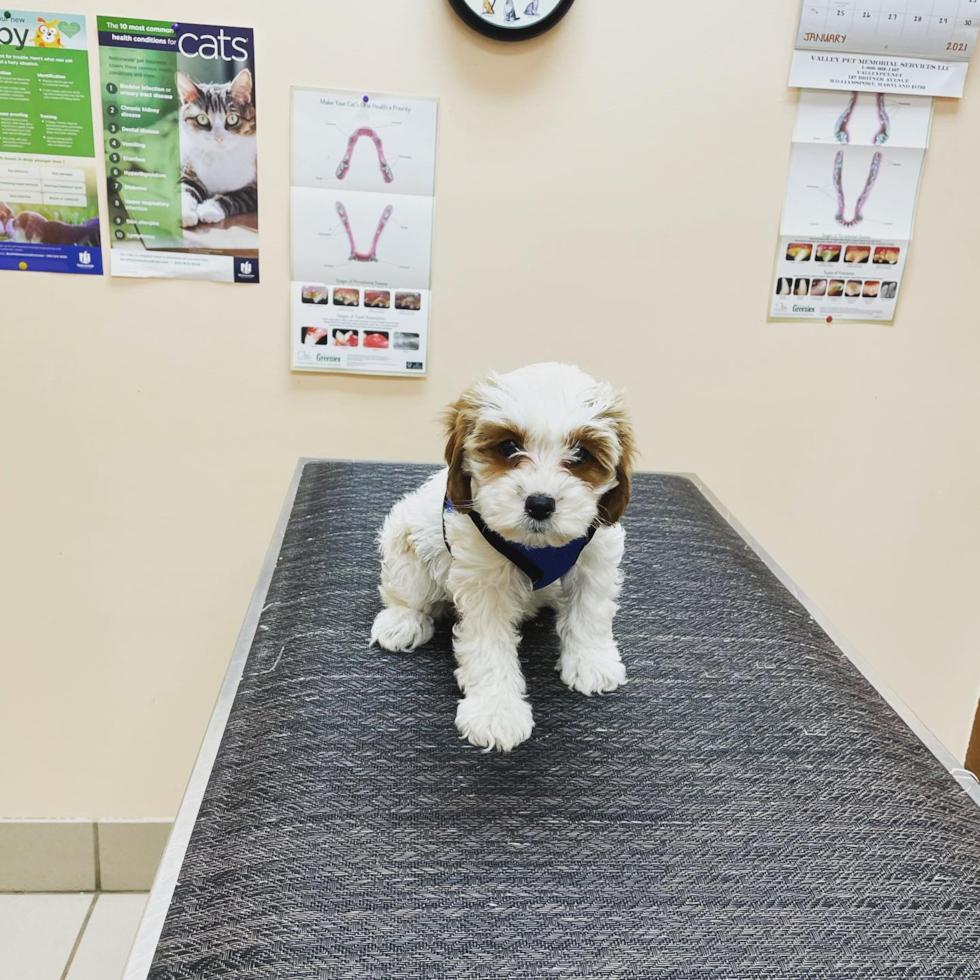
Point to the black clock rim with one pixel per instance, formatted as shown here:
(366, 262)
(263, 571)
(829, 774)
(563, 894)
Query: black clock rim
(478, 24)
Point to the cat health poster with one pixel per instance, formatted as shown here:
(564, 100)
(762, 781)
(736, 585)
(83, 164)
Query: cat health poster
(179, 115)
(362, 199)
(49, 205)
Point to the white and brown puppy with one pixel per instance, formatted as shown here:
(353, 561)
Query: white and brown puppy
(526, 516)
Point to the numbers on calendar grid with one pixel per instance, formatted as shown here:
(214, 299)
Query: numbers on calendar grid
(924, 28)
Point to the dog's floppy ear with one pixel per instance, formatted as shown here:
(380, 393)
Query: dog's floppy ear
(459, 419)
(614, 502)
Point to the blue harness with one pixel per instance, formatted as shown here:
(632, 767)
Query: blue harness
(542, 566)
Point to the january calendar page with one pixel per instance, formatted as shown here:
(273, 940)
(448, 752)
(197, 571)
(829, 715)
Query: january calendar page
(917, 47)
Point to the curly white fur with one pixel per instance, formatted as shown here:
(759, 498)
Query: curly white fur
(421, 581)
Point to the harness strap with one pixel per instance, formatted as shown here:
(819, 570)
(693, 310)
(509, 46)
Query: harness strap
(542, 566)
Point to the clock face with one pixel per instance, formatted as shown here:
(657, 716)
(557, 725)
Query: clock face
(511, 20)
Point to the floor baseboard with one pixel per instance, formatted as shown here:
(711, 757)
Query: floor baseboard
(80, 855)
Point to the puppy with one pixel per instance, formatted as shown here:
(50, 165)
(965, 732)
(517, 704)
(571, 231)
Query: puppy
(28, 226)
(525, 516)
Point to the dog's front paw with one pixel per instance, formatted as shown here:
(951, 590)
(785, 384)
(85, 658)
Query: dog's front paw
(490, 722)
(400, 629)
(593, 671)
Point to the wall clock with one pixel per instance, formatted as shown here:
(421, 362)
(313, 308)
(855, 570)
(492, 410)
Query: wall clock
(511, 20)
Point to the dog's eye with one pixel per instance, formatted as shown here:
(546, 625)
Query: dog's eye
(580, 455)
(508, 448)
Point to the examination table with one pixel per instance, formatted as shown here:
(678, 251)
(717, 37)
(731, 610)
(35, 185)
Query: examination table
(749, 805)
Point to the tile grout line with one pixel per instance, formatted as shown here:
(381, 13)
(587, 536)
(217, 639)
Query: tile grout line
(78, 938)
(97, 855)
(75, 891)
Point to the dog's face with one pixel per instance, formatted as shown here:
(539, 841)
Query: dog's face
(541, 453)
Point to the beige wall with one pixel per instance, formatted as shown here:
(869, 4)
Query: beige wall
(608, 194)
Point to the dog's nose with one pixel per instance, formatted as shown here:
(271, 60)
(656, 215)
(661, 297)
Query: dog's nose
(538, 507)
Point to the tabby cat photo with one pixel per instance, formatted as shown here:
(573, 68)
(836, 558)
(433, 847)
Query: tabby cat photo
(218, 177)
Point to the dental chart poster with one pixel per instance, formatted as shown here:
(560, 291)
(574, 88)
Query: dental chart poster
(916, 47)
(363, 173)
(850, 205)
(180, 121)
(49, 206)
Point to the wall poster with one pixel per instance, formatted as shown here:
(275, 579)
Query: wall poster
(49, 206)
(363, 172)
(180, 119)
(912, 47)
(850, 205)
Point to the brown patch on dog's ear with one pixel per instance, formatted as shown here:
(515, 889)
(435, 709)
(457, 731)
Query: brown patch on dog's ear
(614, 502)
(459, 420)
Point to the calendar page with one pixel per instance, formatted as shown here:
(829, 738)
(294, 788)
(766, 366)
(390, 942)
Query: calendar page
(919, 47)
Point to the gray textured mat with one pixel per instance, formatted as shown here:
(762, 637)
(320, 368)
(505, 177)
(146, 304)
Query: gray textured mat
(747, 806)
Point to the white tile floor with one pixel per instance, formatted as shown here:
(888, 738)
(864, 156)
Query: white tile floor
(67, 937)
